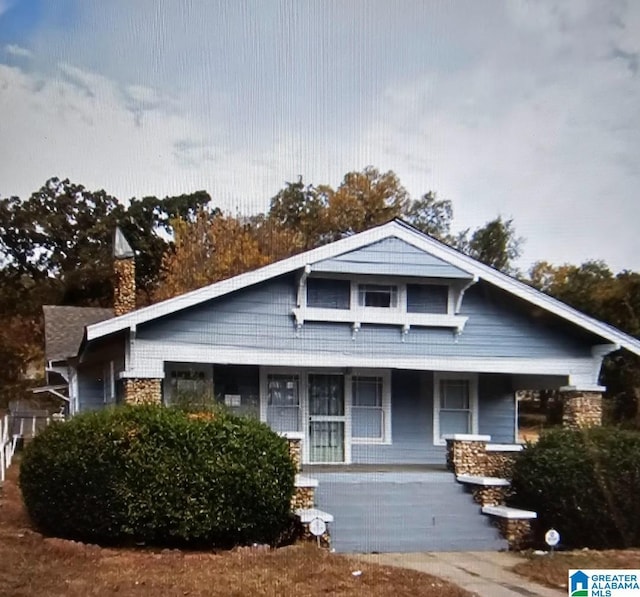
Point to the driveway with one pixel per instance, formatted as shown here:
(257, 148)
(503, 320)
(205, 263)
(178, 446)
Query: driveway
(483, 573)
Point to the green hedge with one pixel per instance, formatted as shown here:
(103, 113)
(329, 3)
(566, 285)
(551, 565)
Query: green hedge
(159, 476)
(586, 484)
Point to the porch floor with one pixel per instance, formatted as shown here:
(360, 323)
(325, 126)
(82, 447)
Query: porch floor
(312, 469)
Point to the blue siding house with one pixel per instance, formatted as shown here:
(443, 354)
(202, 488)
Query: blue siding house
(370, 351)
(372, 348)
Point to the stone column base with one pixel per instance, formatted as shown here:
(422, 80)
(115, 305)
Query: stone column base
(517, 532)
(142, 391)
(488, 495)
(303, 498)
(466, 455)
(581, 409)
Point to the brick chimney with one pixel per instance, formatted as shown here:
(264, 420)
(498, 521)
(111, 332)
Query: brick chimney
(124, 269)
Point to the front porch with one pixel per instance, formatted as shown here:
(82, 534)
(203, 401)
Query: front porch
(356, 416)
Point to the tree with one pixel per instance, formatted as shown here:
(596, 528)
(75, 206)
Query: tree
(494, 244)
(300, 209)
(431, 215)
(60, 240)
(211, 248)
(593, 289)
(363, 200)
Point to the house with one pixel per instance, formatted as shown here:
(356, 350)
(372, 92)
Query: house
(370, 349)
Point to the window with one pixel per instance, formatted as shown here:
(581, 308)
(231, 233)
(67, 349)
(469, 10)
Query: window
(455, 405)
(328, 294)
(378, 295)
(283, 402)
(367, 410)
(427, 298)
(189, 385)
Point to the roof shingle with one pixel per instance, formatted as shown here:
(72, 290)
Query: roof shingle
(64, 328)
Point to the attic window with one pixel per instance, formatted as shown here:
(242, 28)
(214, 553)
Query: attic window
(377, 295)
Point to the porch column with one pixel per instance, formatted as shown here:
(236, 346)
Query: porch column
(581, 408)
(142, 391)
(466, 454)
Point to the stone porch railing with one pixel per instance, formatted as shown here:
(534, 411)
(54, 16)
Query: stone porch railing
(487, 469)
(303, 500)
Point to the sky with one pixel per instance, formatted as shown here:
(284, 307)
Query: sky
(528, 110)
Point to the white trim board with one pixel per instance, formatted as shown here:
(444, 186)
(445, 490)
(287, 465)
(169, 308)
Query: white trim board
(149, 356)
(395, 229)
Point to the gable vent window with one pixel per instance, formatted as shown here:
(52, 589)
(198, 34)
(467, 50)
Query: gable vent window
(328, 294)
(427, 298)
(376, 295)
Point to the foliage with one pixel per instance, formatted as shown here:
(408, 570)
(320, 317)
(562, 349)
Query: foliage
(160, 476)
(300, 209)
(363, 200)
(593, 289)
(212, 248)
(583, 483)
(494, 244)
(431, 215)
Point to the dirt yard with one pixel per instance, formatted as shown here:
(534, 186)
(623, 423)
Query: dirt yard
(32, 565)
(552, 570)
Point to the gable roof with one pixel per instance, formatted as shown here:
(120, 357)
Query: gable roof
(394, 229)
(64, 328)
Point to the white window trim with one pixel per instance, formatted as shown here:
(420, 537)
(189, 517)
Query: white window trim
(398, 315)
(109, 383)
(401, 296)
(385, 375)
(472, 378)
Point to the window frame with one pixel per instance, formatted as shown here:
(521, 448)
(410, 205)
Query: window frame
(385, 376)
(438, 377)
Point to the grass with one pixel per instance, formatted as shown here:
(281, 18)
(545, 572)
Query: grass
(31, 564)
(552, 571)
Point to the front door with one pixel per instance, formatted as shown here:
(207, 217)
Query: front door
(327, 420)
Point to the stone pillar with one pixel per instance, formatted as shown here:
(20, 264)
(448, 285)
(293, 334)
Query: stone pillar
(295, 447)
(489, 495)
(142, 391)
(517, 532)
(581, 409)
(466, 454)
(124, 270)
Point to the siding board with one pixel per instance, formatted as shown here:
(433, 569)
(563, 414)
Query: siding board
(411, 425)
(391, 256)
(496, 405)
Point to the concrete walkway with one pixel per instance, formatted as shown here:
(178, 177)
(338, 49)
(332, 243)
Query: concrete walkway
(483, 573)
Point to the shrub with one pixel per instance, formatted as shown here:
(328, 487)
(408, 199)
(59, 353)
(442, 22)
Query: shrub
(159, 476)
(584, 484)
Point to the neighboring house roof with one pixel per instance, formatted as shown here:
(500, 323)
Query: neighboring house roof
(395, 228)
(64, 328)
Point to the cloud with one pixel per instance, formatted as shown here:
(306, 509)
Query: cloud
(525, 109)
(15, 50)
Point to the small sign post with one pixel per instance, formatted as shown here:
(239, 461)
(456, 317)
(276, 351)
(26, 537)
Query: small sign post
(552, 538)
(317, 527)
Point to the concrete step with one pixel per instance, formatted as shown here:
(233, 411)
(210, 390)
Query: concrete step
(405, 514)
